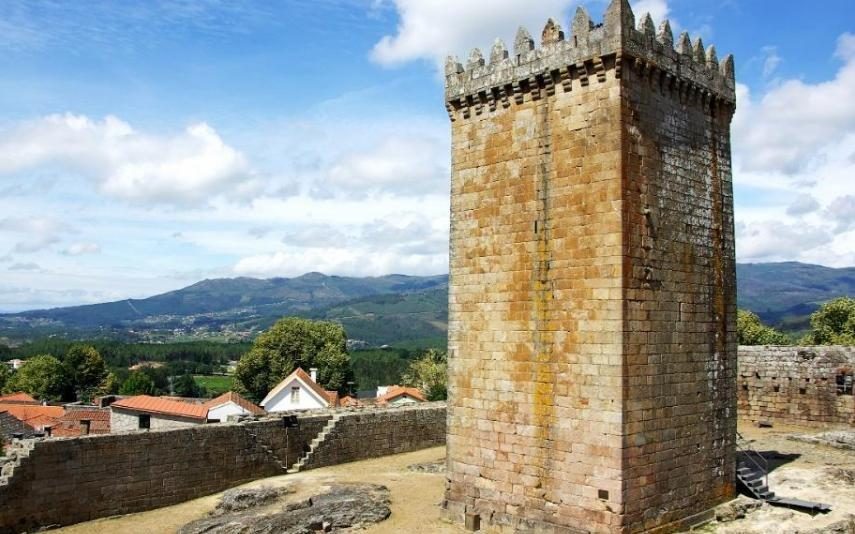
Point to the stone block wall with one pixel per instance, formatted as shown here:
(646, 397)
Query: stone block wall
(12, 425)
(592, 349)
(805, 386)
(380, 433)
(65, 481)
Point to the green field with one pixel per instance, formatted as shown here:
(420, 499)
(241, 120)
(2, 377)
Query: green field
(215, 384)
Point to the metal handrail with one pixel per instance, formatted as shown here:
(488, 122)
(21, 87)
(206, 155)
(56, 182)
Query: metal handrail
(748, 451)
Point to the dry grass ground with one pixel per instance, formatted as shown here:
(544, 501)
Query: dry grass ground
(801, 470)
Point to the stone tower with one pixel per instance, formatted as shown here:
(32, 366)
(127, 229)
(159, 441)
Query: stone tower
(592, 305)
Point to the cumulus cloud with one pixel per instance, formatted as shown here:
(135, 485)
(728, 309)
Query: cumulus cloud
(782, 130)
(405, 243)
(796, 142)
(841, 211)
(404, 166)
(128, 164)
(431, 29)
(658, 10)
(34, 233)
(27, 266)
(79, 249)
(803, 204)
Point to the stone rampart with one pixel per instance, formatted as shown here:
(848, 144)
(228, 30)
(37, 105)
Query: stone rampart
(66, 481)
(809, 386)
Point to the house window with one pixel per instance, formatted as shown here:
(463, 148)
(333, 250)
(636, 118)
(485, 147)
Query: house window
(845, 384)
(144, 422)
(295, 394)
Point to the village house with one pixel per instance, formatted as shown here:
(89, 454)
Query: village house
(15, 364)
(144, 412)
(230, 404)
(39, 418)
(398, 396)
(299, 391)
(82, 421)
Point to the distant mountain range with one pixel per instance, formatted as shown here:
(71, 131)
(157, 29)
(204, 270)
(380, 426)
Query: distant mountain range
(394, 309)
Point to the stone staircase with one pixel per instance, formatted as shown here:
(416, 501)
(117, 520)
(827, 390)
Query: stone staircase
(313, 446)
(264, 447)
(17, 454)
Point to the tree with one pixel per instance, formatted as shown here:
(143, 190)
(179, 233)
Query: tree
(290, 343)
(85, 369)
(430, 374)
(833, 323)
(41, 376)
(751, 331)
(137, 384)
(5, 374)
(185, 386)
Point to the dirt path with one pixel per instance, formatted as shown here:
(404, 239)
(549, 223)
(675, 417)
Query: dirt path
(415, 498)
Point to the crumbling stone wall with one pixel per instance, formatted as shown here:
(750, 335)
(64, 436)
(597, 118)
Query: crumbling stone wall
(12, 425)
(592, 349)
(808, 386)
(65, 481)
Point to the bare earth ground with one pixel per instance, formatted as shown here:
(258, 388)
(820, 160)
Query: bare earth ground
(802, 470)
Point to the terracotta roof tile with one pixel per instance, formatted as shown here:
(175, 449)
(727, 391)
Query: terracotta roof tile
(231, 396)
(19, 398)
(69, 423)
(398, 391)
(34, 415)
(155, 405)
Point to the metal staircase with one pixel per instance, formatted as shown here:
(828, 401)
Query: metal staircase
(752, 471)
(313, 446)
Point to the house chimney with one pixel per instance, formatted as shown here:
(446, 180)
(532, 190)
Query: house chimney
(313, 372)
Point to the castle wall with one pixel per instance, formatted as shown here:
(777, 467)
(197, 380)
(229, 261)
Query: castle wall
(805, 386)
(65, 481)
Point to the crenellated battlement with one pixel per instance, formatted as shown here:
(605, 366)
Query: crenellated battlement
(587, 53)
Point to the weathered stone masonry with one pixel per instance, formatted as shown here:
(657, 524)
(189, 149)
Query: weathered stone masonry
(592, 291)
(808, 386)
(65, 481)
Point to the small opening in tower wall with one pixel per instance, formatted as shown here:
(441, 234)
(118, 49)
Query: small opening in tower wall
(845, 383)
(603, 494)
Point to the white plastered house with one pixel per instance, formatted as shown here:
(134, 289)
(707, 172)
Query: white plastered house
(299, 391)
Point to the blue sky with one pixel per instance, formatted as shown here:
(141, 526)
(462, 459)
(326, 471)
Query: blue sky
(147, 145)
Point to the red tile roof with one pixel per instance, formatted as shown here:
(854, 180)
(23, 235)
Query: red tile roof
(398, 391)
(18, 398)
(155, 405)
(69, 423)
(37, 416)
(231, 396)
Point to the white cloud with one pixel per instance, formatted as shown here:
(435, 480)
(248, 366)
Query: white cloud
(189, 167)
(803, 204)
(795, 143)
(33, 233)
(431, 29)
(771, 61)
(403, 165)
(79, 249)
(782, 130)
(658, 10)
(26, 266)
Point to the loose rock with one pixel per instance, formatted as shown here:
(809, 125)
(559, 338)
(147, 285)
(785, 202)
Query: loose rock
(343, 506)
